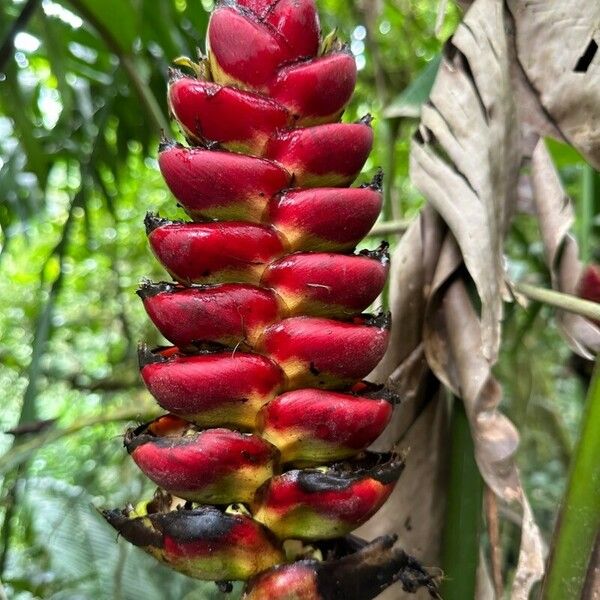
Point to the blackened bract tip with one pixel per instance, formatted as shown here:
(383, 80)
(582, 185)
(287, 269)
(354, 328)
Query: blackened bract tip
(174, 74)
(382, 321)
(380, 253)
(115, 516)
(373, 465)
(313, 481)
(153, 221)
(149, 289)
(129, 438)
(377, 182)
(384, 468)
(390, 395)
(379, 392)
(134, 530)
(364, 574)
(390, 471)
(167, 143)
(139, 436)
(211, 145)
(202, 348)
(147, 357)
(204, 523)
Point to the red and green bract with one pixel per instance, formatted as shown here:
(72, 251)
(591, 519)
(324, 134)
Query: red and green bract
(266, 409)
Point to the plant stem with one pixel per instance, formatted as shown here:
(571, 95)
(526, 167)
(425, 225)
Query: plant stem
(573, 304)
(592, 581)
(579, 523)
(460, 550)
(143, 91)
(145, 94)
(392, 128)
(389, 227)
(21, 453)
(18, 24)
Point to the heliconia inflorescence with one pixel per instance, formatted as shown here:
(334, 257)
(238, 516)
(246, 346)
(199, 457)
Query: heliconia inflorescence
(261, 460)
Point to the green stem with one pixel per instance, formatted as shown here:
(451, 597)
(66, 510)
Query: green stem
(143, 91)
(145, 94)
(460, 550)
(392, 128)
(6, 48)
(573, 304)
(579, 523)
(592, 581)
(20, 453)
(390, 228)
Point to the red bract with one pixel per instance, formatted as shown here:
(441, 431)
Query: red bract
(230, 314)
(326, 503)
(316, 426)
(216, 466)
(247, 47)
(213, 252)
(242, 51)
(333, 285)
(297, 23)
(326, 219)
(317, 91)
(287, 582)
(325, 155)
(204, 542)
(221, 185)
(324, 353)
(222, 388)
(239, 121)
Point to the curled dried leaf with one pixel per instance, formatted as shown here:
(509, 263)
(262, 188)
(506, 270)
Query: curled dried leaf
(466, 156)
(564, 77)
(556, 217)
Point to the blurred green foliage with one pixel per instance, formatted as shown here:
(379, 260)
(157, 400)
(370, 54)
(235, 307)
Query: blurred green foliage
(82, 101)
